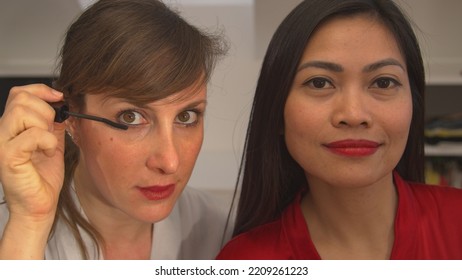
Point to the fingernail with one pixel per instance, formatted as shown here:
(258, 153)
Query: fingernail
(55, 92)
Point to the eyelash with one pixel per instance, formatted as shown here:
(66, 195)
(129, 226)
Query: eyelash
(124, 111)
(394, 82)
(310, 83)
(196, 111)
(198, 114)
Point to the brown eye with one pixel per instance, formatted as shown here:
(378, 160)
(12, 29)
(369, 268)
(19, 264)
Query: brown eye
(319, 83)
(130, 117)
(184, 116)
(187, 117)
(385, 83)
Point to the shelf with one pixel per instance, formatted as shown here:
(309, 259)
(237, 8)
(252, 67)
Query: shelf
(444, 149)
(444, 72)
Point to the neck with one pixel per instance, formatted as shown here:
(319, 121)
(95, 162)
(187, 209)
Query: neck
(123, 236)
(351, 223)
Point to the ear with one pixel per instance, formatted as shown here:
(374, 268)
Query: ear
(73, 129)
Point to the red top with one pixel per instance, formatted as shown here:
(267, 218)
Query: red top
(428, 225)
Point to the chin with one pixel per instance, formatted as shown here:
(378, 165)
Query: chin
(356, 180)
(153, 213)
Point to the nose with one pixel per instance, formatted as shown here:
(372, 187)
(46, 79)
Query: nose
(163, 157)
(351, 110)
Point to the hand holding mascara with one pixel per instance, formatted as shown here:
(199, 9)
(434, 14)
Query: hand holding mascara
(146, 70)
(63, 113)
(31, 168)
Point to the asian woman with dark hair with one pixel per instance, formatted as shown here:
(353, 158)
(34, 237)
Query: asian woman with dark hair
(333, 165)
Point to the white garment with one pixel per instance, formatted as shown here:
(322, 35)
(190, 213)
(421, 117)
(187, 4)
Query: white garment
(193, 230)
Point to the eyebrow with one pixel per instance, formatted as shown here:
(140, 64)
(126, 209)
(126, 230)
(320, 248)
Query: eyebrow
(145, 105)
(334, 67)
(195, 104)
(321, 64)
(187, 106)
(382, 63)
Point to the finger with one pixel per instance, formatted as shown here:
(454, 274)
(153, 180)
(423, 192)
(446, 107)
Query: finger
(30, 162)
(41, 91)
(32, 99)
(59, 131)
(20, 118)
(20, 149)
(24, 111)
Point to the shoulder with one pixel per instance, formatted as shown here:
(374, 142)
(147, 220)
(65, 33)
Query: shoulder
(429, 218)
(428, 194)
(262, 242)
(285, 238)
(437, 194)
(201, 217)
(201, 203)
(439, 204)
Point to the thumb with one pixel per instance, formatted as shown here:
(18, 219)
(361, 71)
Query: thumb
(59, 130)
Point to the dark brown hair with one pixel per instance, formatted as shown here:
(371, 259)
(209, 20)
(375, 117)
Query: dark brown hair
(270, 176)
(139, 50)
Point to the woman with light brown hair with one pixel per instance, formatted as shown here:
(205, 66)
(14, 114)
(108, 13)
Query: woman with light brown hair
(133, 78)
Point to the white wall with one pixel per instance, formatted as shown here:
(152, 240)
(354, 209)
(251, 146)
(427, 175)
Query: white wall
(438, 28)
(248, 26)
(230, 94)
(31, 30)
(438, 24)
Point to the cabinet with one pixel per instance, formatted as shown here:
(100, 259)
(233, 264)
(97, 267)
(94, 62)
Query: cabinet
(444, 160)
(444, 149)
(437, 25)
(438, 29)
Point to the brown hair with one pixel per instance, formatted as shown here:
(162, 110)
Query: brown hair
(139, 50)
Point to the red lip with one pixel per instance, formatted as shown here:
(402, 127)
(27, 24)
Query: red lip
(353, 148)
(157, 192)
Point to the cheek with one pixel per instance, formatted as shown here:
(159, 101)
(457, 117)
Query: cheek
(99, 149)
(399, 120)
(96, 143)
(190, 149)
(302, 126)
(302, 120)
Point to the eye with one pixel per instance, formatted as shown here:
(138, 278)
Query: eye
(319, 83)
(385, 83)
(130, 117)
(188, 117)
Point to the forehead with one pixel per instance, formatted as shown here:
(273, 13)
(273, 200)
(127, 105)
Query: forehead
(361, 34)
(195, 92)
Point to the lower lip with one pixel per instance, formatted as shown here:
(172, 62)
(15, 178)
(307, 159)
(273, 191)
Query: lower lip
(354, 151)
(157, 193)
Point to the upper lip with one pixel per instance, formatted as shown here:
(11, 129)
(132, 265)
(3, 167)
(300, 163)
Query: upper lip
(352, 143)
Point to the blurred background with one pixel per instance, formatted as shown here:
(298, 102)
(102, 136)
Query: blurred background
(31, 32)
